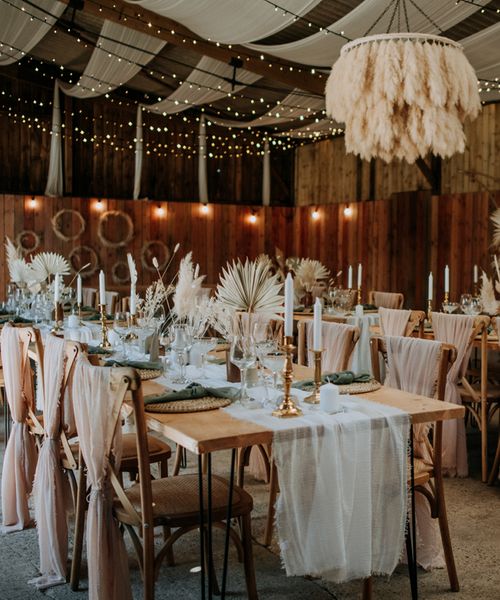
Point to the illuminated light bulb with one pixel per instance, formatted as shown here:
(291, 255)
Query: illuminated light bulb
(160, 211)
(315, 214)
(33, 202)
(99, 205)
(253, 218)
(204, 209)
(348, 212)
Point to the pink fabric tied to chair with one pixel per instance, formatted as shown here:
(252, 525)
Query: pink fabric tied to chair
(50, 489)
(20, 455)
(388, 299)
(97, 406)
(336, 339)
(455, 330)
(412, 367)
(393, 321)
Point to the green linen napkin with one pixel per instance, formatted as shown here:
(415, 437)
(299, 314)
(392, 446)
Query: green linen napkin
(15, 320)
(370, 307)
(135, 364)
(98, 350)
(192, 392)
(339, 378)
(97, 317)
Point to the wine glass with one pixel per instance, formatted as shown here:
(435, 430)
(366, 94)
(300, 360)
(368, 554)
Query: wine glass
(274, 360)
(465, 303)
(181, 344)
(120, 327)
(205, 345)
(243, 355)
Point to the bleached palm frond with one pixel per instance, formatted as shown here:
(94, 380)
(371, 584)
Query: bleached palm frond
(292, 263)
(132, 268)
(495, 219)
(309, 272)
(12, 251)
(20, 271)
(188, 288)
(247, 287)
(45, 264)
(488, 300)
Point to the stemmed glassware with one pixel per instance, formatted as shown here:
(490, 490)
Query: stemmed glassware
(205, 345)
(181, 344)
(120, 327)
(243, 355)
(274, 360)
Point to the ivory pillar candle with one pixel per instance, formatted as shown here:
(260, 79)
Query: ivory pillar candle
(102, 288)
(329, 399)
(349, 277)
(430, 286)
(447, 279)
(289, 305)
(317, 325)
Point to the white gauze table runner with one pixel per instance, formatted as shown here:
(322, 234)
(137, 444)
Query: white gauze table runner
(341, 510)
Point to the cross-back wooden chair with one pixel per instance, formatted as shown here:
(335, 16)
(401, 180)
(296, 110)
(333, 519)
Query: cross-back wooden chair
(342, 361)
(428, 478)
(171, 502)
(386, 299)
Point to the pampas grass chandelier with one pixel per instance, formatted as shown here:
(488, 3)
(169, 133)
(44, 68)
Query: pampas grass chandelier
(402, 95)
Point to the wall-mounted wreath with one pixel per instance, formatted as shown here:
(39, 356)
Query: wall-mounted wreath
(151, 249)
(28, 241)
(120, 272)
(56, 225)
(117, 215)
(81, 255)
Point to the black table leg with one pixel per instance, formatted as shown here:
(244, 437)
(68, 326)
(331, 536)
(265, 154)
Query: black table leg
(228, 524)
(411, 534)
(210, 557)
(202, 527)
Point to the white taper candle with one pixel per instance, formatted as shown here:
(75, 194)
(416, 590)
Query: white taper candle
(57, 291)
(447, 279)
(132, 298)
(289, 305)
(102, 288)
(79, 293)
(349, 277)
(476, 274)
(430, 286)
(317, 325)
(360, 274)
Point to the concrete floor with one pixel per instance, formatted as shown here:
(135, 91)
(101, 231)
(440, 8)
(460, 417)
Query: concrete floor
(474, 515)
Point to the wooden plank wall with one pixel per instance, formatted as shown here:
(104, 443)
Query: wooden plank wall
(324, 173)
(398, 241)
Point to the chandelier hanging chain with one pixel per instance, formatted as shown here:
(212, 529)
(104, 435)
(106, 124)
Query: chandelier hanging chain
(426, 16)
(380, 17)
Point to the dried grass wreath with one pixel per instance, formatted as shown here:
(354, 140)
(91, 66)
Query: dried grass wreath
(147, 255)
(115, 272)
(21, 237)
(94, 261)
(56, 225)
(107, 243)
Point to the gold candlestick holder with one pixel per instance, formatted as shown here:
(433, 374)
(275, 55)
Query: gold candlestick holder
(429, 310)
(359, 295)
(58, 318)
(476, 289)
(131, 320)
(314, 397)
(104, 328)
(446, 298)
(79, 309)
(288, 408)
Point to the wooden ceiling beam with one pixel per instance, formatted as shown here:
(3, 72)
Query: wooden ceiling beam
(146, 21)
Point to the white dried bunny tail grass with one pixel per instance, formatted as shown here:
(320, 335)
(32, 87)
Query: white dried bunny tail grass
(403, 98)
(188, 287)
(488, 300)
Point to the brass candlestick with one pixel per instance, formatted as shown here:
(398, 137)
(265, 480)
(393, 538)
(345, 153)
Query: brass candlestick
(79, 308)
(446, 298)
(476, 290)
(288, 407)
(104, 328)
(314, 397)
(58, 318)
(131, 320)
(429, 310)
(359, 295)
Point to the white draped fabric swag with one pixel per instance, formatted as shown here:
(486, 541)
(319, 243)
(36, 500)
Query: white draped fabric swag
(229, 21)
(114, 61)
(19, 32)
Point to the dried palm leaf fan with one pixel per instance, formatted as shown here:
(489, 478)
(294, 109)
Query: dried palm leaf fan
(402, 95)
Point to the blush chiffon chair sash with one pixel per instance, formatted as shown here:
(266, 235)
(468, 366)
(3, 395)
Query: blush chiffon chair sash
(50, 488)
(455, 330)
(387, 299)
(336, 340)
(20, 455)
(413, 366)
(393, 321)
(97, 407)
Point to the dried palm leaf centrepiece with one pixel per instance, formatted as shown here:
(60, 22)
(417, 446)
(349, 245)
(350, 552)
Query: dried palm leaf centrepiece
(403, 95)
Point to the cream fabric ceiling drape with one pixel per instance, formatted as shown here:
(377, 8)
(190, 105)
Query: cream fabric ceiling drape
(229, 21)
(19, 32)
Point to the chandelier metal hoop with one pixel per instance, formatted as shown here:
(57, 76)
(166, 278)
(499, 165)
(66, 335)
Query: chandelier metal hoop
(416, 37)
